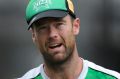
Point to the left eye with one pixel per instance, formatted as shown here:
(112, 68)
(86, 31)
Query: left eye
(59, 24)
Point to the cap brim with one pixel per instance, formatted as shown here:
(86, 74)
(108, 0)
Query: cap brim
(49, 13)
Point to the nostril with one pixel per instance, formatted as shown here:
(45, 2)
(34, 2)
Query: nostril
(53, 35)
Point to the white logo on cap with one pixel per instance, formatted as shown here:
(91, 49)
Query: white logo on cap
(43, 3)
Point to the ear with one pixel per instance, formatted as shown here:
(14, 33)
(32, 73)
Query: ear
(76, 26)
(32, 30)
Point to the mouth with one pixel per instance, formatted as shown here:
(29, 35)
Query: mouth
(54, 45)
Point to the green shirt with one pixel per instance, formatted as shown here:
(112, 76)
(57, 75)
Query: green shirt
(89, 71)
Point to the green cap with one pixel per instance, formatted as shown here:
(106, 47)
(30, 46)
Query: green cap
(38, 9)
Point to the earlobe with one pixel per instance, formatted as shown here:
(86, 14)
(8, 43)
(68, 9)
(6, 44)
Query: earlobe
(76, 26)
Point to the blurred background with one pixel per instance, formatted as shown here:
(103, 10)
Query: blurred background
(98, 41)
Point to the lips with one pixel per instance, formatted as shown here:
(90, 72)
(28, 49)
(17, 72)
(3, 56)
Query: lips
(54, 45)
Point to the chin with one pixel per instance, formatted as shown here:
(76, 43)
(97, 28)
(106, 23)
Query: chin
(59, 59)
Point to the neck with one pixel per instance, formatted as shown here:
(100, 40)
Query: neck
(71, 69)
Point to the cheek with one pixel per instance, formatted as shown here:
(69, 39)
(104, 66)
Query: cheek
(41, 43)
(69, 38)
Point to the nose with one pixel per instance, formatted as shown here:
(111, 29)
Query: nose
(53, 33)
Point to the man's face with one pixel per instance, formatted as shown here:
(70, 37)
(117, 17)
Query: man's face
(55, 38)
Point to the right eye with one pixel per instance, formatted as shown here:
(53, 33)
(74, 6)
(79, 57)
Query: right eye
(42, 27)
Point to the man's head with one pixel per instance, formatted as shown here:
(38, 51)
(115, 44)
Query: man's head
(54, 27)
(55, 37)
(38, 9)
